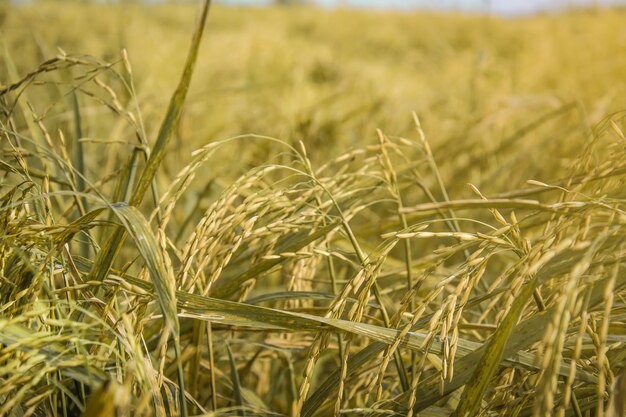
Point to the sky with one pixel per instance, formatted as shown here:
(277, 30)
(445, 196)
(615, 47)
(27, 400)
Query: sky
(506, 7)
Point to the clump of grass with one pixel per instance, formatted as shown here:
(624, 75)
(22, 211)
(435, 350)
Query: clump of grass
(357, 286)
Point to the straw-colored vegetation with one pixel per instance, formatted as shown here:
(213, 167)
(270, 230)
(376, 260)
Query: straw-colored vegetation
(345, 213)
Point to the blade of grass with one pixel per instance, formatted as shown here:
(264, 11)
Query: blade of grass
(476, 386)
(240, 314)
(105, 257)
(112, 247)
(138, 227)
(234, 375)
(474, 391)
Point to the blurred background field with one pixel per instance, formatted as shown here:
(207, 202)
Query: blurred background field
(332, 77)
(303, 220)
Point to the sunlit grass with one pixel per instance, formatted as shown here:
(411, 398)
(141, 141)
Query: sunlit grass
(343, 213)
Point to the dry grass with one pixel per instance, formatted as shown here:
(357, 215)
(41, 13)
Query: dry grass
(462, 260)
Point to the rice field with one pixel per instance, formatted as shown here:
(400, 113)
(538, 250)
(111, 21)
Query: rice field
(292, 211)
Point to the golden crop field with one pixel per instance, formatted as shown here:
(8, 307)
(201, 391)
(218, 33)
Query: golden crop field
(295, 211)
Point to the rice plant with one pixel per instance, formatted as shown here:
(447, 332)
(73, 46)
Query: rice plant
(317, 266)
